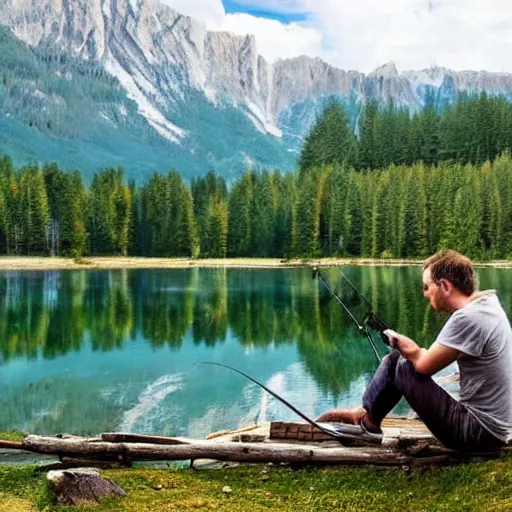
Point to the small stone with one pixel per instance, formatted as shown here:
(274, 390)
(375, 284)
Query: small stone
(158, 487)
(311, 488)
(226, 489)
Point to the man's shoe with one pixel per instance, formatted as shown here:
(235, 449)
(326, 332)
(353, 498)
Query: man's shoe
(358, 432)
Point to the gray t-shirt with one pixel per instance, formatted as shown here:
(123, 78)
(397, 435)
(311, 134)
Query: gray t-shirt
(481, 332)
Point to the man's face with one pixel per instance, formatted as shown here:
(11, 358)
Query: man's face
(433, 292)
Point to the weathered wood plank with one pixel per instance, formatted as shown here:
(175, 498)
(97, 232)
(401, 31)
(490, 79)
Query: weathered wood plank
(221, 433)
(115, 437)
(240, 452)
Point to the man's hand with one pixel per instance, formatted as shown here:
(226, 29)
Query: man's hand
(425, 361)
(407, 347)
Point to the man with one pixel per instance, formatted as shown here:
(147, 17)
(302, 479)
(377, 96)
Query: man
(478, 336)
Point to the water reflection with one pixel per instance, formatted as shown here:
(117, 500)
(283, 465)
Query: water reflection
(86, 351)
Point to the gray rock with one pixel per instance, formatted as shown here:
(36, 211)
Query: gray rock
(74, 486)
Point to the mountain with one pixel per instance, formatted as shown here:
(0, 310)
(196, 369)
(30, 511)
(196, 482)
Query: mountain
(132, 83)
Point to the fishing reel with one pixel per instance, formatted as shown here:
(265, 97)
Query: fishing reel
(377, 324)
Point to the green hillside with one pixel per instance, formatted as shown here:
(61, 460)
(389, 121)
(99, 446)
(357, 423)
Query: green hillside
(53, 108)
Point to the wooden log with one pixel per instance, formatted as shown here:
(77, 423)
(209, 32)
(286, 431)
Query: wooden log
(115, 437)
(239, 452)
(12, 445)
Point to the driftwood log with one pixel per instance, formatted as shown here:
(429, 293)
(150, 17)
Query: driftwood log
(240, 452)
(73, 487)
(405, 442)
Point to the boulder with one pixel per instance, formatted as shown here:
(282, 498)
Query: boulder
(73, 486)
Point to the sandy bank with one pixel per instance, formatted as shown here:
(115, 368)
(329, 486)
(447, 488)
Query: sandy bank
(45, 263)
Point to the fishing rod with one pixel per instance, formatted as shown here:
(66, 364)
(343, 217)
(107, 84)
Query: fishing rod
(324, 427)
(371, 319)
(375, 322)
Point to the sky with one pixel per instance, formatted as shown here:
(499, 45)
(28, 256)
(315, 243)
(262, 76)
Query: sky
(365, 34)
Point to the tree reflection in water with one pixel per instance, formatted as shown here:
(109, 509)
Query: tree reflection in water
(48, 315)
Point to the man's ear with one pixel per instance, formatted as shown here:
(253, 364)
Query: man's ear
(445, 285)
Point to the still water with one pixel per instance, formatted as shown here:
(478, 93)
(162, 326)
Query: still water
(94, 351)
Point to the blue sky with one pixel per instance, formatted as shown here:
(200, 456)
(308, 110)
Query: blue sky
(258, 10)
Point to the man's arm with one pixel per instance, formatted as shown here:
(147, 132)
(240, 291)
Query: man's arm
(424, 361)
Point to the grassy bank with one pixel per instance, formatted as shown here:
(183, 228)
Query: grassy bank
(481, 486)
(119, 262)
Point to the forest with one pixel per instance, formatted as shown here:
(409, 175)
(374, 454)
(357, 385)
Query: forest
(395, 185)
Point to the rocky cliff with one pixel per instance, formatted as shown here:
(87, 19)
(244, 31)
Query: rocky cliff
(179, 75)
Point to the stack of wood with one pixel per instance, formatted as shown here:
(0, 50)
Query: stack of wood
(290, 430)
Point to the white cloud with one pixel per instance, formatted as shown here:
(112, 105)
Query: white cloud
(460, 34)
(274, 39)
(363, 34)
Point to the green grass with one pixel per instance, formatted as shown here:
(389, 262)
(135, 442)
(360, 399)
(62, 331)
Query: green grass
(12, 435)
(479, 486)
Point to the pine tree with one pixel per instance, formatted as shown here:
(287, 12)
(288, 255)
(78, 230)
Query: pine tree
(35, 213)
(215, 235)
(240, 222)
(331, 140)
(335, 212)
(368, 136)
(182, 228)
(109, 214)
(263, 212)
(208, 190)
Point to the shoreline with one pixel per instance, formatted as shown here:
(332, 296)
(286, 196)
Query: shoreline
(120, 262)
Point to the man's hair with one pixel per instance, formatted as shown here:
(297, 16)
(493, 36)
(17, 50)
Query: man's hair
(454, 267)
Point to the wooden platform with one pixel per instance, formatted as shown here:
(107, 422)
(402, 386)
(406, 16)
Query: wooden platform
(397, 433)
(405, 441)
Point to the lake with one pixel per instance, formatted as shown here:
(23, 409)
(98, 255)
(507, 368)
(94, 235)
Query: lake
(86, 352)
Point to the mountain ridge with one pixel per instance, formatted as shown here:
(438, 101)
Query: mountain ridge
(186, 81)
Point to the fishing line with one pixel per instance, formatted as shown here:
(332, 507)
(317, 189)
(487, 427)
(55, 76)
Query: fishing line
(325, 428)
(374, 321)
(362, 328)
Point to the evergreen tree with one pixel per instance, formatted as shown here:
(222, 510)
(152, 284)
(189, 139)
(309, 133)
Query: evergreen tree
(286, 215)
(136, 228)
(66, 199)
(183, 231)
(109, 214)
(311, 193)
(207, 191)
(330, 141)
(240, 222)
(335, 212)
(368, 136)
(35, 213)
(264, 203)
(9, 208)
(354, 212)
(215, 235)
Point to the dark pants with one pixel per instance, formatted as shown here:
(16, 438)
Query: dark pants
(444, 416)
